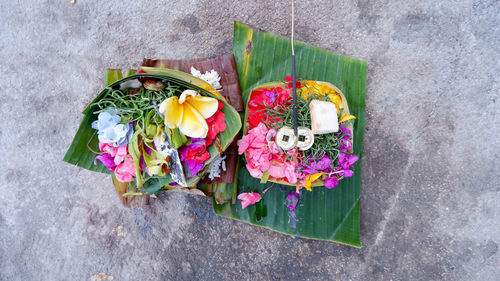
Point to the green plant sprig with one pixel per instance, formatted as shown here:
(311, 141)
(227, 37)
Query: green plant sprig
(134, 104)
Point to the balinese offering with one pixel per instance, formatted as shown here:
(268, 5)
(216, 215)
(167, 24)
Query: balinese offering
(158, 129)
(322, 153)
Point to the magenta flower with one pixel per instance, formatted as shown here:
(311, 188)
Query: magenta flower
(107, 160)
(331, 182)
(315, 166)
(292, 199)
(193, 166)
(345, 162)
(345, 141)
(249, 198)
(345, 130)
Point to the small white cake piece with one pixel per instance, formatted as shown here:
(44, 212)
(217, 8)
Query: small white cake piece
(323, 117)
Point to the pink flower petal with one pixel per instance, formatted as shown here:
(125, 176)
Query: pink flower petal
(276, 171)
(125, 172)
(120, 154)
(249, 198)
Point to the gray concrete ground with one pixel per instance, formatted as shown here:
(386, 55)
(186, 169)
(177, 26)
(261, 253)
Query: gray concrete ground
(430, 204)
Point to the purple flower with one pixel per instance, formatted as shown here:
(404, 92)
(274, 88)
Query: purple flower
(345, 145)
(345, 139)
(107, 160)
(292, 199)
(271, 96)
(315, 166)
(193, 166)
(147, 149)
(331, 182)
(345, 130)
(345, 162)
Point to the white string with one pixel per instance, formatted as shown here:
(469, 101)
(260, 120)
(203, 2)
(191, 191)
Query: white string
(293, 12)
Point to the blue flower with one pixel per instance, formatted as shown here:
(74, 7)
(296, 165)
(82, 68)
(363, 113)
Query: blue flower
(111, 131)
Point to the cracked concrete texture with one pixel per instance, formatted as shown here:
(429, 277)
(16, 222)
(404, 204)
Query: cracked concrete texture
(431, 164)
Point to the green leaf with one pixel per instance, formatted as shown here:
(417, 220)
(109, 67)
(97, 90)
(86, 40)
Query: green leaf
(177, 138)
(133, 149)
(260, 210)
(265, 177)
(155, 184)
(111, 76)
(324, 214)
(129, 72)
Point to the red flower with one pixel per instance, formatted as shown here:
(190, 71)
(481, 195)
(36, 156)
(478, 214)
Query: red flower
(216, 124)
(261, 99)
(290, 85)
(199, 154)
(258, 98)
(284, 98)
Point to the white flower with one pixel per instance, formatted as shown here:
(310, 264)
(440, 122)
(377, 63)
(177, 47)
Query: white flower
(211, 77)
(195, 72)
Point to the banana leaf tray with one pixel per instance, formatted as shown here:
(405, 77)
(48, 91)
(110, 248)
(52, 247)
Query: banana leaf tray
(323, 214)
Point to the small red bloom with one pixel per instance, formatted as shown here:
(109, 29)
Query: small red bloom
(290, 85)
(216, 124)
(260, 100)
(200, 154)
(290, 79)
(257, 105)
(284, 97)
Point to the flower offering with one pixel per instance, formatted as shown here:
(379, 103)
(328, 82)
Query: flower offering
(326, 155)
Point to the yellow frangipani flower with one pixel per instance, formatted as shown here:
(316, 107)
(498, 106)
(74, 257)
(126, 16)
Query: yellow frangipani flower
(188, 113)
(310, 179)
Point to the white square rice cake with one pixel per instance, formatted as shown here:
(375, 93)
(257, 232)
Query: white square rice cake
(324, 118)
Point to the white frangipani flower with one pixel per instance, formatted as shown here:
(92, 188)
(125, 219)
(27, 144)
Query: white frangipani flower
(195, 72)
(211, 77)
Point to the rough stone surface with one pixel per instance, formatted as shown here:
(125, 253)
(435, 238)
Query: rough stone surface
(430, 204)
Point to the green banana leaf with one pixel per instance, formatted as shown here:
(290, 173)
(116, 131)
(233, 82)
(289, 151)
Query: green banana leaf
(81, 154)
(323, 214)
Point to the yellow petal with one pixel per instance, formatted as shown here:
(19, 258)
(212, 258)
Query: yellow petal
(346, 118)
(335, 98)
(310, 179)
(207, 106)
(193, 124)
(186, 94)
(172, 112)
(210, 89)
